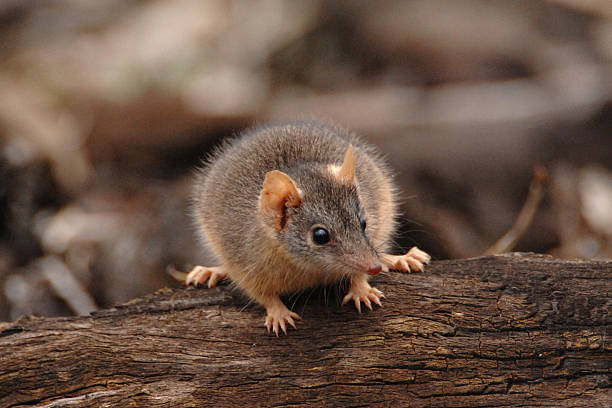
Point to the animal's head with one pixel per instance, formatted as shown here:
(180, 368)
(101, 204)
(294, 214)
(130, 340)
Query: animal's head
(319, 217)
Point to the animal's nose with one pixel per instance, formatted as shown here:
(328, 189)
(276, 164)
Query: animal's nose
(374, 269)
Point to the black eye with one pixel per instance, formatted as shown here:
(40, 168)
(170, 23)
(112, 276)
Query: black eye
(363, 224)
(320, 236)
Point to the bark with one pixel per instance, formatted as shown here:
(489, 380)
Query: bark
(515, 330)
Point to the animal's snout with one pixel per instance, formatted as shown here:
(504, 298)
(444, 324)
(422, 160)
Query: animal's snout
(374, 269)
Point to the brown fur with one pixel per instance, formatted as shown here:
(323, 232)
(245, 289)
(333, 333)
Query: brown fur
(261, 232)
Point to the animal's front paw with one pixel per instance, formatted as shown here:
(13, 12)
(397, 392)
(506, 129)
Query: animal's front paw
(413, 260)
(278, 316)
(201, 274)
(361, 291)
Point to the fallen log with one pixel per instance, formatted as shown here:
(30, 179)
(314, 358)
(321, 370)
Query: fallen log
(504, 331)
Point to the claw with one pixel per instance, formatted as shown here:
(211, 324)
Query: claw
(376, 300)
(357, 302)
(375, 297)
(278, 316)
(201, 274)
(421, 256)
(414, 264)
(413, 260)
(361, 291)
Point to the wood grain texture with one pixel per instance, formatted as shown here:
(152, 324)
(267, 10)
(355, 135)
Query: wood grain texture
(504, 331)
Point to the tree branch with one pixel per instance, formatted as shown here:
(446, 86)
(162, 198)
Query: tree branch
(504, 331)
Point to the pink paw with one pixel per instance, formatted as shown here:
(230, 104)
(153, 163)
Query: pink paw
(363, 292)
(201, 274)
(279, 316)
(413, 260)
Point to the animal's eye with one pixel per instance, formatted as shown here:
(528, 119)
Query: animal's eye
(320, 236)
(363, 224)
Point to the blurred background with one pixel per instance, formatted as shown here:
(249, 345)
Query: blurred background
(497, 117)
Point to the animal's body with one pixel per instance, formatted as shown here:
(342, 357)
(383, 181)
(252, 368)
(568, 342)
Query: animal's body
(285, 208)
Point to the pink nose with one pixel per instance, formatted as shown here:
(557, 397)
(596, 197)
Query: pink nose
(374, 269)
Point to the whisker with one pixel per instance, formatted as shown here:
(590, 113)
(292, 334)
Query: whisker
(250, 302)
(325, 297)
(312, 290)
(295, 297)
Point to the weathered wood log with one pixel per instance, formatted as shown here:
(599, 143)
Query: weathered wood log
(520, 330)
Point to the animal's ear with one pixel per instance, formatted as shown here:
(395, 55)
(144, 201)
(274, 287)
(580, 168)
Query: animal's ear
(277, 194)
(347, 170)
